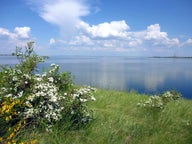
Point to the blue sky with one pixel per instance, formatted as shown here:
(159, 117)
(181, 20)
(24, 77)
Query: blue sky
(98, 27)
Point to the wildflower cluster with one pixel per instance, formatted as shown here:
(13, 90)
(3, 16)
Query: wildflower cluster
(80, 113)
(28, 99)
(159, 102)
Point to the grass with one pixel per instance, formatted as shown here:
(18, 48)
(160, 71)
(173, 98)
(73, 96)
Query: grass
(118, 120)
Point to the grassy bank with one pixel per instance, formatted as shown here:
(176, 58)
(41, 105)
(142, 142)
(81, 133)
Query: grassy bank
(119, 120)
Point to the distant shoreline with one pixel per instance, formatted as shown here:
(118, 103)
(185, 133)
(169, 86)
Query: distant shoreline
(176, 57)
(6, 55)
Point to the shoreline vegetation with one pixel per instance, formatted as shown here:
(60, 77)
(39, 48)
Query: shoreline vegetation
(50, 108)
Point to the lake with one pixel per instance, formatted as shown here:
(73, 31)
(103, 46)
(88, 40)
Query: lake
(145, 75)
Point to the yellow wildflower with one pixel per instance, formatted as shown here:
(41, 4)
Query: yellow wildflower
(34, 141)
(8, 118)
(14, 142)
(11, 136)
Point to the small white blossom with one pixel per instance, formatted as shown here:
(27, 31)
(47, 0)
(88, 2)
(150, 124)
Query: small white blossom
(15, 78)
(44, 75)
(93, 98)
(83, 100)
(20, 94)
(53, 64)
(51, 79)
(53, 99)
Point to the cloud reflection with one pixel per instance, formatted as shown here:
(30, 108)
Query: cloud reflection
(145, 75)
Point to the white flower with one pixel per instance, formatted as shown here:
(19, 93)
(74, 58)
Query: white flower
(51, 79)
(44, 75)
(50, 107)
(83, 100)
(53, 99)
(39, 79)
(53, 64)
(29, 113)
(15, 78)
(20, 94)
(75, 95)
(9, 95)
(72, 112)
(93, 98)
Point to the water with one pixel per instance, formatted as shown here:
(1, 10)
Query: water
(145, 75)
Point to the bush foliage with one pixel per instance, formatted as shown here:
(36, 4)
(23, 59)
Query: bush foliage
(158, 102)
(32, 100)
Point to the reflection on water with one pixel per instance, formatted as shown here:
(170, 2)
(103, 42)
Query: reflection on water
(145, 75)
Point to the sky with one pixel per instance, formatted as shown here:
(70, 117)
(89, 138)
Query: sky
(98, 27)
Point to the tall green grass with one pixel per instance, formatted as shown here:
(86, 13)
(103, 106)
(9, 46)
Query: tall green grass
(118, 120)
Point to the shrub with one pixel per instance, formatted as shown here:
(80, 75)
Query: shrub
(170, 96)
(29, 99)
(159, 102)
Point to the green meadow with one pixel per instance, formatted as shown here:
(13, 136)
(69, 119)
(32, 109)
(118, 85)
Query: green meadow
(118, 120)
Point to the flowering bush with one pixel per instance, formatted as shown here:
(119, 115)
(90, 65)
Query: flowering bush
(28, 99)
(170, 96)
(153, 102)
(80, 113)
(159, 102)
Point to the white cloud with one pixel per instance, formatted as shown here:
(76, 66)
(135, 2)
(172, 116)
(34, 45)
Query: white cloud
(189, 41)
(65, 14)
(112, 29)
(117, 36)
(110, 36)
(135, 43)
(6, 33)
(19, 37)
(19, 33)
(52, 41)
(155, 37)
(81, 40)
(22, 32)
(153, 32)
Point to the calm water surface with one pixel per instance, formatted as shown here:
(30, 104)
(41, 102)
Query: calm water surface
(145, 75)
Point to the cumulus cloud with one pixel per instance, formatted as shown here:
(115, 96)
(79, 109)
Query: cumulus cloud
(65, 14)
(22, 32)
(104, 30)
(189, 41)
(19, 32)
(79, 35)
(9, 39)
(52, 41)
(113, 35)
(117, 35)
(154, 32)
(6, 33)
